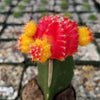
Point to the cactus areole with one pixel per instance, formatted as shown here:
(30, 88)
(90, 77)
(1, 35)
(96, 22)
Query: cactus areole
(51, 43)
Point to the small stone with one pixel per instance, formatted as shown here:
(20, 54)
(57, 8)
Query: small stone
(96, 78)
(90, 87)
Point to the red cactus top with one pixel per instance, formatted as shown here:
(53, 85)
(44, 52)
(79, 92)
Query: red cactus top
(61, 33)
(54, 37)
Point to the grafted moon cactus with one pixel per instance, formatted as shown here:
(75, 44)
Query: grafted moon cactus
(52, 43)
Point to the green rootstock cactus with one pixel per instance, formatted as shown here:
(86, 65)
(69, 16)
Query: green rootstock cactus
(51, 43)
(54, 76)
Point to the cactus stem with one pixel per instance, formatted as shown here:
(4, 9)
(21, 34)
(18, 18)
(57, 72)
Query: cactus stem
(47, 96)
(50, 72)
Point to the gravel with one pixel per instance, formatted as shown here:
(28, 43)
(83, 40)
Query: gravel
(98, 1)
(9, 81)
(81, 8)
(11, 32)
(9, 53)
(26, 9)
(86, 80)
(22, 20)
(94, 27)
(87, 83)
(98, 42)
(30, 73)
(1, 28)
(87, 53)
(85, 18)
(5, 9)
(82, 2)
(57, 8)
(2, 18)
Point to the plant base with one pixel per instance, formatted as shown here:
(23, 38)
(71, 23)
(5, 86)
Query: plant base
(31, 91)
